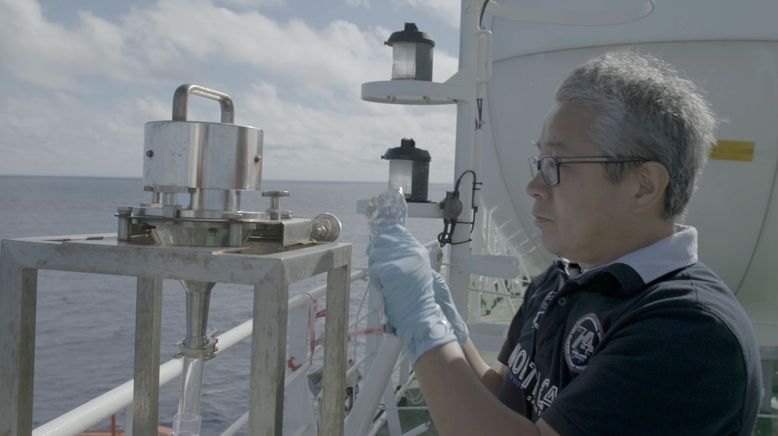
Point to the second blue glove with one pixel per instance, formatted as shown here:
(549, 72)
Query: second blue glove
(399, 267)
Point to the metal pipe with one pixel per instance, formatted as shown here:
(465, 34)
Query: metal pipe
(148, 322)
(336, 337)
(458, 278)
(381, 420)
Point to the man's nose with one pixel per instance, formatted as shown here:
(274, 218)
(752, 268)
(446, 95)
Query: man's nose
(537, 188)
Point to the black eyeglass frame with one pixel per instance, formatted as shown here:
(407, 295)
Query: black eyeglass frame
(536, 163)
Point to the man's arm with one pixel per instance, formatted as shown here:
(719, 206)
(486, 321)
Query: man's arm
(459, 402)
(462, 405)
(490, 377)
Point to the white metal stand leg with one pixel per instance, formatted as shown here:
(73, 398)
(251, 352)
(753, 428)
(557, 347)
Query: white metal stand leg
(148, 320)
(336, 335)
(361, 415)
(18, 294)
(392, 415)
(271, 298)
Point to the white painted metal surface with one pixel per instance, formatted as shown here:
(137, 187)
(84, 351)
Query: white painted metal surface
(360, 419)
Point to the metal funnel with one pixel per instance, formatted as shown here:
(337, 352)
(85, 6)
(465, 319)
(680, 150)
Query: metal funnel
(198, 297)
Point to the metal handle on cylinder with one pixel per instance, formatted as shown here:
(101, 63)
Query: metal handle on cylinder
(181, 96)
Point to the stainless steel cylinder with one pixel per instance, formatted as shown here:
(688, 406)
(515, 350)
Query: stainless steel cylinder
(202, 156)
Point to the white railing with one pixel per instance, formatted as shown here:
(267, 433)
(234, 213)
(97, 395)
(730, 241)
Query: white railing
(103, 406)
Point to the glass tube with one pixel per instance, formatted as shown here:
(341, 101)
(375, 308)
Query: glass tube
(187, 420)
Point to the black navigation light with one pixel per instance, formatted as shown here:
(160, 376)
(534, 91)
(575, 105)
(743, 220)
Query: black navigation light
(409, 170)
(412, 54)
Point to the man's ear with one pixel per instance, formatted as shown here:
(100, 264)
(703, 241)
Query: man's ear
(651, 182)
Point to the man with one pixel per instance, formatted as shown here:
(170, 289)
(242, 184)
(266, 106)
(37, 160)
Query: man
(627, 333)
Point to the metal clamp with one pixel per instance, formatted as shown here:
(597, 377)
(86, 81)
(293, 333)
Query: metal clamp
(181, 96)
(206, 352)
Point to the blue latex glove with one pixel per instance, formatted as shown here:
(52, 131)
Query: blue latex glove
(400, 270)
(443, 298)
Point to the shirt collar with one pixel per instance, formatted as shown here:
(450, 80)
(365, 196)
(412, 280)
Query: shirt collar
(640, 267)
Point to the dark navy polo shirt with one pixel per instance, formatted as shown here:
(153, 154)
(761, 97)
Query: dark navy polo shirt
(653, 343)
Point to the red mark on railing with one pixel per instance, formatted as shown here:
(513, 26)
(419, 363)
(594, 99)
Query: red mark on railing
(292, 364)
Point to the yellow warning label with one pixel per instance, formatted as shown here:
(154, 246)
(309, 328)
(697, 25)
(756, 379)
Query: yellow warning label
(726, 149)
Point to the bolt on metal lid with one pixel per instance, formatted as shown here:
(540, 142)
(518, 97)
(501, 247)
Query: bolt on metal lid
(411, 33)
(407, 151)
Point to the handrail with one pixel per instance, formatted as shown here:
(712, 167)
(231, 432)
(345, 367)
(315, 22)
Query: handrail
(108, 403)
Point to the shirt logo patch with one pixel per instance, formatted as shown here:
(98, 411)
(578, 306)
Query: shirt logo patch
(581, 342)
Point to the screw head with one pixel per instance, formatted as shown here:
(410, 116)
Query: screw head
(150, 153)
(275, 193)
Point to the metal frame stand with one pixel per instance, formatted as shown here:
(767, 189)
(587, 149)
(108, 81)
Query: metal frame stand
(269, 272)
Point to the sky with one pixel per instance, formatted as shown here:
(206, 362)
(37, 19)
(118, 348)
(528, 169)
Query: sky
(79, 78)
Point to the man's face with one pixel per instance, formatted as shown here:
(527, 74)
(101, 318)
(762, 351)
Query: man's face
(582, 218)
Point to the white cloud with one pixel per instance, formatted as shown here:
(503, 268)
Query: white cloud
(445, 10)
(172, 37)
(305, 97)
(49, 54)
(358, 3)
(343, 139)
(253, 3)
(62, 136)
(339, 141)
(175, 36)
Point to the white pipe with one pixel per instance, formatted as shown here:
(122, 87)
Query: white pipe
(98, 408)
(240, 422)
(419, 429)
(381, 420)
(237, 425)
(361, 416)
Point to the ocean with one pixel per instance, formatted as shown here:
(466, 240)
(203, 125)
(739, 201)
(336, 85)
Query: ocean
(85, 322)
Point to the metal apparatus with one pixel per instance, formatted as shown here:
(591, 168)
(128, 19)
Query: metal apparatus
(195, 231)
(197, 172)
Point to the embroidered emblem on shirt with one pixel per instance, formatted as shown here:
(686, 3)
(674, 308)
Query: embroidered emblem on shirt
(542, 310)
(581, 342)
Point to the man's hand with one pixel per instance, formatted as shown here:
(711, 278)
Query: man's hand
(443, 298)
(399, 267)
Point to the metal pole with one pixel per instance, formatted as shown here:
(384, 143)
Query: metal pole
(335, 338)
(268, 350)
(18, 294)
(148, 320)
(378, 378)
(458, 279)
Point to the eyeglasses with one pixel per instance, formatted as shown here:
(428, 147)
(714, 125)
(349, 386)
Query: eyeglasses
(548, 165)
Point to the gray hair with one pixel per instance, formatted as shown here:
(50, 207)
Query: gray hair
(649, 111)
